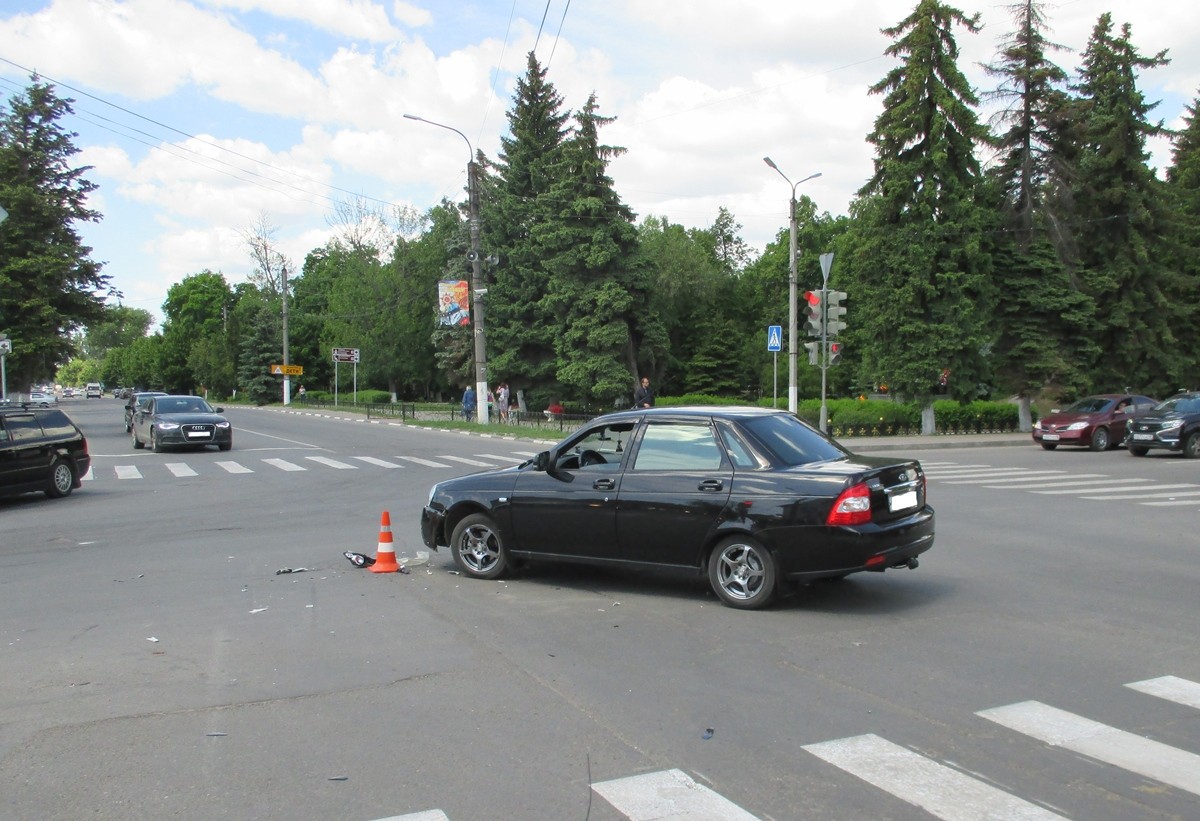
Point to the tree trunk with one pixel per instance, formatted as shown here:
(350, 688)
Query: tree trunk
(928, 423)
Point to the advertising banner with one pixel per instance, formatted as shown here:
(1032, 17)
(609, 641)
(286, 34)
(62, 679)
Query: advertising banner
(453, 308)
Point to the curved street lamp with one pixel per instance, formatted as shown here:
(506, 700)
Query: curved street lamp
(792, 397)
(477, 289)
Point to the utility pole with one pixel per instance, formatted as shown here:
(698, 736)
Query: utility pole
(475, 257)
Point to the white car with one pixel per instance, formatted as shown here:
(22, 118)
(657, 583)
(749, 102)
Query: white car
(42, 399)
(93, 389)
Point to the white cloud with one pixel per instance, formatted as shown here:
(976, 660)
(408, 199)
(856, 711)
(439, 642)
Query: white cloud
(314, 94)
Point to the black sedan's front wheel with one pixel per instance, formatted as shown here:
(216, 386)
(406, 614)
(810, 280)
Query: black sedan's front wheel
(478, 547)
(742, 573)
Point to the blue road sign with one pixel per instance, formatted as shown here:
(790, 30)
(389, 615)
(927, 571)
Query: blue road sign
(775, 338)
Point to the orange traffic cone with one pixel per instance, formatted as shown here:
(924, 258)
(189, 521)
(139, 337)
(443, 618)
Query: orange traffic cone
(385, 555)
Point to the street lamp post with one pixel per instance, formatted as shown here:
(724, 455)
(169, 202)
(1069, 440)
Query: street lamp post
(476, 258)
(793, 403)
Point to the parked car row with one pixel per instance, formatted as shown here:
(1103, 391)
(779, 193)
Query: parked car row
(1106, 421)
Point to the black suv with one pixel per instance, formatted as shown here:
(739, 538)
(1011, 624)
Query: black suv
(1173, 424)
(40, 450)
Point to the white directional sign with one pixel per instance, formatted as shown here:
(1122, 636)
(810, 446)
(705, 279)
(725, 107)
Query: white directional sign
(345, 354)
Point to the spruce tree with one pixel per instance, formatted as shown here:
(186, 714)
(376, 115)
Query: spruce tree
(49, 285)
(1123, 221)
(1041, 317)
(915, 266)
(1183, 185)
(520, 332)
(598, 287)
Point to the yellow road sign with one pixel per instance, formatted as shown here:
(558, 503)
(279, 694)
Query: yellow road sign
(287, 370)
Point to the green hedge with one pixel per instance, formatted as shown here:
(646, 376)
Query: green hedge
(883, 417)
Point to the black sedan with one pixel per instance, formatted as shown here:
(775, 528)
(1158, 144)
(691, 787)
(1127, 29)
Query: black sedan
(753, 497)
(1173, 425)
(177, 421)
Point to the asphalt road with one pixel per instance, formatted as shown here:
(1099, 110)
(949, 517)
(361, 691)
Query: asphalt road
(156, 665)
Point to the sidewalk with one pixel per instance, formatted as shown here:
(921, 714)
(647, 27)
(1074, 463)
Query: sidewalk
(870, 444)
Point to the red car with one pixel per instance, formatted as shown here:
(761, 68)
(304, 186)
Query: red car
(1097, 422)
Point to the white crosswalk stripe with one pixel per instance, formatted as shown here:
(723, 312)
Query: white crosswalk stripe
(233, 467)
(935, 788)
(1124, 489)
(465, 461)
(427, 815)
(1174, 495)
(180, 469)
(333, 463)
(497, 457)
(1171, 688)
(949, 793)
(284, 464)
(1131, 752)
(429, 463)
(128, 472)
(670, 794)
(382, 463)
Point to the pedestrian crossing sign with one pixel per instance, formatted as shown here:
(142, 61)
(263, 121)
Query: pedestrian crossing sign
(775, 338)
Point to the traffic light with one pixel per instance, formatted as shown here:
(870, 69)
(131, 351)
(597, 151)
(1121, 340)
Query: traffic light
(814, 313)
(834, 312)
(835, 352)
(814, 352)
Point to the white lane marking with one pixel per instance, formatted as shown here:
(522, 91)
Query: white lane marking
(1143, 756)
(180, 469)
(1172, 495)
(242, 430)
(669, 794)
(528, 454)
(427, 815)
(1033, 475)
(383, 463)
(1172, 688)
(333, 463)
(284, 464)
(497, 457)
(465, 461)
(1127, 488)
(1171, 503)
(127, 472)
(976, 474)
(90, 475)
(1084, 481)
(426, 462)
(233, 467)
(939, 790)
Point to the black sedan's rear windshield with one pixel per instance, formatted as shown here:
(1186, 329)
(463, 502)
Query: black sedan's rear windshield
(789, 442)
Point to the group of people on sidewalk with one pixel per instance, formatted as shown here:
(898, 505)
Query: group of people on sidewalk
(501, 401)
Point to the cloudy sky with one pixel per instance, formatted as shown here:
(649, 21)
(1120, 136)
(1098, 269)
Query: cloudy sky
(200, 117)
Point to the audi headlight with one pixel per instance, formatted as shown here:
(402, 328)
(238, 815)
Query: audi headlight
(222, 425)
(168, 426)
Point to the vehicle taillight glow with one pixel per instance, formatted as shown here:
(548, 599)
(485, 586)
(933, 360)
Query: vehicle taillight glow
(853, 507)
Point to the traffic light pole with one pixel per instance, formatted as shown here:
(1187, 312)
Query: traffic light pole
(826, 263)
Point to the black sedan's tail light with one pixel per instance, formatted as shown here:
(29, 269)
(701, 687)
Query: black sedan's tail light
(852, 507)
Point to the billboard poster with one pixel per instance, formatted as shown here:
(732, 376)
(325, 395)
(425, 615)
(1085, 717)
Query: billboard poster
(453, 308)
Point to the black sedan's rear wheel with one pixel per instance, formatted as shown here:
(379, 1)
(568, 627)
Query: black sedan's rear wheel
(742, 573)
(478, 547)
(62, 479)
(1100, 440)
(1191, 446)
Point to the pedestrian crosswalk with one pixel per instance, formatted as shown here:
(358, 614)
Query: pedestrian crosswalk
(942, 789)
(105, 469)
(1098, 487)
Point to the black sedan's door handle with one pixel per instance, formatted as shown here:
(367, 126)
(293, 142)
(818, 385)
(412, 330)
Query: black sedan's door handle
(712, 484)
(603, 484)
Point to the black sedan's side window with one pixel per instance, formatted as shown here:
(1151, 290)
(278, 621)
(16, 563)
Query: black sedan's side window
(678, 447)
